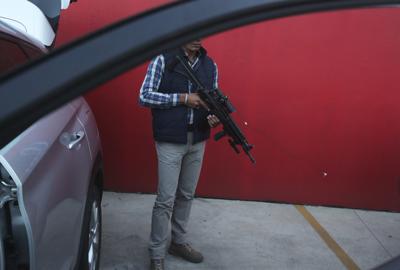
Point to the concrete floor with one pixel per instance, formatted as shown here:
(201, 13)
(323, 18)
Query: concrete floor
(239, 235)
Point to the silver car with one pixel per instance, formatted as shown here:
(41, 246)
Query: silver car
(51, 174)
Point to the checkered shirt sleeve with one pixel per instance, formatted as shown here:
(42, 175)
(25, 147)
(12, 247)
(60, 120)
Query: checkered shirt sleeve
(149, 95)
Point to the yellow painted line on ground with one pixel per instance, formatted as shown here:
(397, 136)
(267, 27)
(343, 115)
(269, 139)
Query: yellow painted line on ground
(329, 241)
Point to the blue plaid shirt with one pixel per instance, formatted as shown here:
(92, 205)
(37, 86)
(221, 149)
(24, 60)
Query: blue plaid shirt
(149, 95)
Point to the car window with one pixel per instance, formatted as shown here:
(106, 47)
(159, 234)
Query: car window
(11, 55)
(133, 49)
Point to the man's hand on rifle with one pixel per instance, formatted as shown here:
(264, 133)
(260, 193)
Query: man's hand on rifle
(213, 121)
(193, 101)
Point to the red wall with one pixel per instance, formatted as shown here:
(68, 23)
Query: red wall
(320, 94)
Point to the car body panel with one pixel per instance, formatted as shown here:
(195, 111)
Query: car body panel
(27, 18)
(37, 18)
(54, 206)
(88, 121)
(6, 29)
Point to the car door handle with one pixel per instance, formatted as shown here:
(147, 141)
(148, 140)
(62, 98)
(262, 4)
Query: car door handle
(75, 139)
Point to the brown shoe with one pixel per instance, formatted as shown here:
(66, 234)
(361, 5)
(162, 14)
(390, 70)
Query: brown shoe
(186, 252)
(157, 264)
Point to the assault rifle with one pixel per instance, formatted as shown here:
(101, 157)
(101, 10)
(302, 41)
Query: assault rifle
(221, 107)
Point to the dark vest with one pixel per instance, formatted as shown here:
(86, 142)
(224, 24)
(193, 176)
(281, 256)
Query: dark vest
(170, 125)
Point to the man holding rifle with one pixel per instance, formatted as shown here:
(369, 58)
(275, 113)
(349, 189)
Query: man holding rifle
(181, 125)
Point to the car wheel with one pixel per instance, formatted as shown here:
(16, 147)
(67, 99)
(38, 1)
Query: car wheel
(90, 256)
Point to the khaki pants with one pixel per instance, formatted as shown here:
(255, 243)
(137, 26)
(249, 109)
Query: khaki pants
(179, 168)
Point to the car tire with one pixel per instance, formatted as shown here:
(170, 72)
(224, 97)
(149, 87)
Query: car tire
(91, 235)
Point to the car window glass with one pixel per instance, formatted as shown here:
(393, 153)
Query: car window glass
(329, 78)
(11, 56)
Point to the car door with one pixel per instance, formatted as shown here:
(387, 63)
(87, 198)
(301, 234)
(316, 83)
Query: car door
(50, 162)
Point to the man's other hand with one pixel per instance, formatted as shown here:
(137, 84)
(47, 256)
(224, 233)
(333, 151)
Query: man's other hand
(194, 101)
(213, 121)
